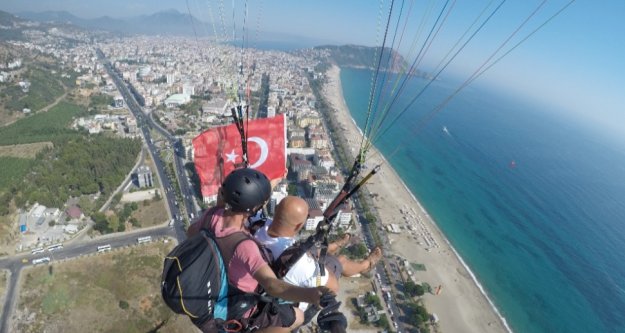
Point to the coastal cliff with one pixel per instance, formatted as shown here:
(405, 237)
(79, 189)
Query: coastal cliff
(358, 56)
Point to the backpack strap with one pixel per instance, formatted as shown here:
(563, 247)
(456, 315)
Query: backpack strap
(228, 244)
(203, 222)
(207, 218)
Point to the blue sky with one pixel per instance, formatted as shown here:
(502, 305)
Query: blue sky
(574, 64)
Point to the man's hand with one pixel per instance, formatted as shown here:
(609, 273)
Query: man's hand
(317, 294)
(330, 318)
(281, 289)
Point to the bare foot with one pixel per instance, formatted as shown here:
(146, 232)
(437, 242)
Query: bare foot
(374, 257)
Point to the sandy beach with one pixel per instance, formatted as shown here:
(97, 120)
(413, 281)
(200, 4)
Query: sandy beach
(460, 306)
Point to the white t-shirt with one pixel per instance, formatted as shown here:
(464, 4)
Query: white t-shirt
(304, 272)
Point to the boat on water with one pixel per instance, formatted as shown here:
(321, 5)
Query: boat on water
(446, 130)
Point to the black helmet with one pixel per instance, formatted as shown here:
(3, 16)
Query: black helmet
(245, 189)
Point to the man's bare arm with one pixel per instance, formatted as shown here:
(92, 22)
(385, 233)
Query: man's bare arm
(278, 288)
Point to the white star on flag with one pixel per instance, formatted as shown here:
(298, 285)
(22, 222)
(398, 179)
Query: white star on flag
(217, 151)
(232, 157)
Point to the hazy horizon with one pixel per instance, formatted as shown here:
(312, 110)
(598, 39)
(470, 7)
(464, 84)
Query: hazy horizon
(573, 64)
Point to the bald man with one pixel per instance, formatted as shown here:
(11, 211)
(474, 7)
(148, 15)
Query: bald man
(279, 234)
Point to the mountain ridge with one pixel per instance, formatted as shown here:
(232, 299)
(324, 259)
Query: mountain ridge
(359, 56)
(168, 22)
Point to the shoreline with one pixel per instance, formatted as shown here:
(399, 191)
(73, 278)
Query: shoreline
(464, 306)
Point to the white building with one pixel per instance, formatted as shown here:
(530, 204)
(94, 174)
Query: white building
(177, 100)
(344, 219)
(37, 210)
(144, 176)
(188, 89)
(119, 101)
(311, 222)
(171, 78)
(271, 112)
(71, 229)
(14, 64)
(145, 70)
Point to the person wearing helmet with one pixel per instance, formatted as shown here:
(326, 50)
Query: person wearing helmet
(246, 191)
(243, 193)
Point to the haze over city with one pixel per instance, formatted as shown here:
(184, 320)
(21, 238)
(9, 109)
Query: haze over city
(574, 63)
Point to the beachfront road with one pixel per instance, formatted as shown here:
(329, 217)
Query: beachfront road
(385, 281)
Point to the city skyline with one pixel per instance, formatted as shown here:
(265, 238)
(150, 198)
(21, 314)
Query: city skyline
(572, 64)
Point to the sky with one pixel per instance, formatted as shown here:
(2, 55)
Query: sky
(574, 63)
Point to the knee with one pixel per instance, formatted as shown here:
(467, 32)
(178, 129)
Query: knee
(343, 260)
(333, 284)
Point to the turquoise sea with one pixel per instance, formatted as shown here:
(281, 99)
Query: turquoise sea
(533, 202)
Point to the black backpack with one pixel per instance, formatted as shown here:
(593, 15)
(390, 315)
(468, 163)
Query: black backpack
(195, 282)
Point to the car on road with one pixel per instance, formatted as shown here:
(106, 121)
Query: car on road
(145, 239)
(41, 260)
(104, 248)
(37, 250)
(55, 247)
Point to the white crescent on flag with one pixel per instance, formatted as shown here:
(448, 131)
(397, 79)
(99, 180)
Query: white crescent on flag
(264, 151)
(217, 151)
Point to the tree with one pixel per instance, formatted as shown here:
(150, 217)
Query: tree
(134, 222)
(356, 251)
(420, 313)
(113, 223)
(116, 199)
(123, 305)
(373, 300)
(427, 287)
(370, 217)
(414, 289)
(419, 290)
(383, 322)
(101, 223)
(125, 213)
(86, 205)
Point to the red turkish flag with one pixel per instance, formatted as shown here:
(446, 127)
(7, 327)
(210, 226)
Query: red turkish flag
(218, 151)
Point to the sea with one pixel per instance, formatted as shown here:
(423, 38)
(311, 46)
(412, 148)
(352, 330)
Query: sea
(533, 201)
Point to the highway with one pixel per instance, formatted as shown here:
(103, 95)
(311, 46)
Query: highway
(14, 264)
(145, 123)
